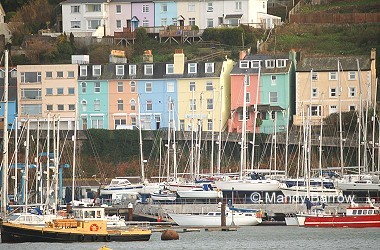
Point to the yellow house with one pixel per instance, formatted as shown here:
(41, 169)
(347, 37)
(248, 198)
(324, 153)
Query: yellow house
(324, 88)
(47, 92)
(203, 94)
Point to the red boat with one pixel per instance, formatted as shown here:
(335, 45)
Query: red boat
(356, 216)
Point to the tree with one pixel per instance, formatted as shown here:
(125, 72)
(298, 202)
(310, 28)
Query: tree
(39, 50)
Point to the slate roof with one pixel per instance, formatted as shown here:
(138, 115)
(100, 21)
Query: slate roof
(237, 70)
(348, 63)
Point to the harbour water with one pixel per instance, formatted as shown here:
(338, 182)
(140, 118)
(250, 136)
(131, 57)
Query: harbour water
(259, 237)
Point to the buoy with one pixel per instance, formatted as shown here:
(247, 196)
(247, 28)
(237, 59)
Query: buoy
(169, 235)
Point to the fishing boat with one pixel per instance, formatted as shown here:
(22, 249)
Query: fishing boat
(163, 195)
(233, 217)
(206, 192)
(87, 224)
(355, 216)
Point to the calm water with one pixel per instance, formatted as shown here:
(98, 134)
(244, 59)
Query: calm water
(260, 237)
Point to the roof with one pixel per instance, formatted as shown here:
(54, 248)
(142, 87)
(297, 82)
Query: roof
(348, 63)
(233, 16)
(261, 57)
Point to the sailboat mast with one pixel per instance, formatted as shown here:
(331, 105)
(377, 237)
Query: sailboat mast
(373, 129)
(140, 143)
(360, 125)
(174, 142)
(212, 134)
(4, 172)
(243, 129)
(255, 117)
(74, 155)
(340, 122)
(220, 129)
(26, 169)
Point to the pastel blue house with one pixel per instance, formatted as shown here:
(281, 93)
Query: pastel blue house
(12, 113)
(166, 14)
(157, 96)
(93, 98)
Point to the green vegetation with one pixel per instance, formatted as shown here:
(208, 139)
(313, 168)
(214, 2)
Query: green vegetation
(344, 6)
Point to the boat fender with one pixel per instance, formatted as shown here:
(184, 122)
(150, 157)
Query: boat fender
(108, 238)
(81, 238)
(94, 227)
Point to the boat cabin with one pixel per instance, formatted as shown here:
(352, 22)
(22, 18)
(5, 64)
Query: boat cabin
(89, 213)
(362, 211)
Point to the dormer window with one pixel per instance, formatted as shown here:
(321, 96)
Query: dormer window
(244, 64)
(83, 70)
(192, 68)
(169, 68)
(119, 70)
(132, 70)
(209, 67)
(255, 64)
(270, 63)
(96, 70)
(148, 69)
(281, 63)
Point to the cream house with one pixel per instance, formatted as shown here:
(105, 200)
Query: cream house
(327, 85)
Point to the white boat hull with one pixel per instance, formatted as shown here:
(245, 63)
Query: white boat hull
(291, 221)
(318, 192)
(196, 194)
(249, 185)
(350, 186)
(126, 190)
(239, 219)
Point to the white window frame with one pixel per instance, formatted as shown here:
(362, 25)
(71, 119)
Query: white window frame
(209, 86)
(148, 69)
(96, 105)
(191, 21)
(118, 9)
(316, 110)
(145, 8)
(149, 105)
(210, 7)
(270, 63)
(352, 75)
(244, 64)
(192, 86)
(271, 97)
(83, 70)
(75, 9)
(333, 76)
(255, 64)
(273, 79)
(193, 104)
(132, 69)
(84, 105)
(314, 93)
(333, 92)
(210, 104)
(281, 63)
(210, 23)
(75, 24)
(169, 69)
(119, 70)
(133, 86)
(132, 103)
(84, 87)
(351, 92)
(191, 7)
(209, 67)
(118, 24)
(91, 22)
(120, 105)
(192, 68)
(164, 7)
(238, 6)
(96, 87)
(333, 109)
(96, 70)
(314, 76)
(170, 87)
(120, 87)
(148, 87)
(248, 97)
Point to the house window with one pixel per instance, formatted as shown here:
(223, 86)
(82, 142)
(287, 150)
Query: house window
(332, 76)
(170, 87)
(119, 70)
(210, 23)
(352, 91)
(133, 121)
(191, 21)
(97, 87)
(83, 70)
(60, 107)
(132, 70)
(71, 107)
(118, 8)
(281, 63)
(164, 7)
(96, 105)
(164, 21)
(248, 97)
(332, 92)
(210, 104)
(352, 108)
(192, 68)
(31, 94)
(209, 7)
(352, 75)
(181, 125)
(314, 92)
(255, 64)
(48, 74)
(270, 63)
(59, 74)
(120, 105)
(75, 24)
(49, 107)
(96, 70)
(193, 104)
(148, 69)
(59, 91)
(84, 106)
(192, 86)
(31, 109)
(314, 76)
(71, 91)
(75, 9)
(149, 105)
(133, 104)
(238, 6)
(93, 8)
(273, 80)
(145, 8)
(120, 122)
(209, 124)
(97, 123)
(247, 115)
(118, 24)
(273, 97)
(93, 24)
(191, 7)
(145, 23)
(49, 91)
(70, 74)
(244, 64)
(316, 110)
(133, 87)
(209, 86)
(148, 87)
(84, 86)
(169, 68)
(333, 109)
(209, 67)
(120, 87)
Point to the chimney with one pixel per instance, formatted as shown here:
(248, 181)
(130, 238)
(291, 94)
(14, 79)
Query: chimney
(179, 61)
(242, 54)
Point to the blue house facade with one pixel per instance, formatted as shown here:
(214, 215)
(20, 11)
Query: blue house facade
(166, 14)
